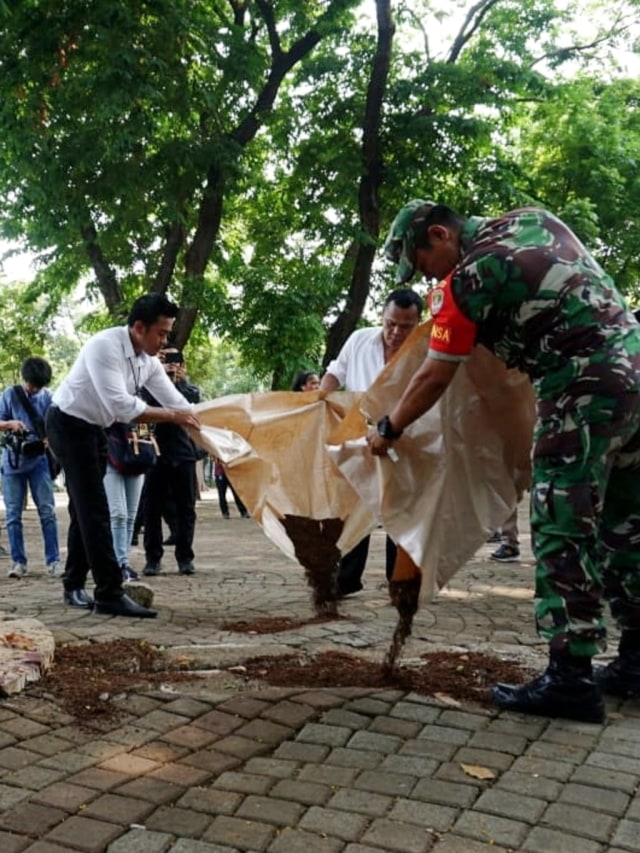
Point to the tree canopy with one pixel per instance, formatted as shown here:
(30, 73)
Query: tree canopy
(246, 156)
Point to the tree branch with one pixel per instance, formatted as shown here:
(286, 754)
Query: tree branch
(474, 18)
(105, 276)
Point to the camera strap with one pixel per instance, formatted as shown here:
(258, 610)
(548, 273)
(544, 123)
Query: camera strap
(36, 420)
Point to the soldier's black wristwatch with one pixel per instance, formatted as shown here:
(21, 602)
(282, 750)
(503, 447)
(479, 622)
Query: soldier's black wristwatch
(386, 430)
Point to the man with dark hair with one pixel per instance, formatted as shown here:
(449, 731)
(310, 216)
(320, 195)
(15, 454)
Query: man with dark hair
(357, 366)
(102, 387)
(173, 478)
(22, 468)
(524, 286)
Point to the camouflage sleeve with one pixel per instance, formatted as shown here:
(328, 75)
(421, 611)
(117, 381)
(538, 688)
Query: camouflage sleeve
(484, 281)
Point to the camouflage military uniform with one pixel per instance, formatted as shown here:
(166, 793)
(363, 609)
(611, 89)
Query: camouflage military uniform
(542, 304)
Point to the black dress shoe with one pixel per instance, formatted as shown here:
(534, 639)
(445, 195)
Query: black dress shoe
(170, 540)
(186, 568)
(77, 598)
(573, 696)
(123, 606)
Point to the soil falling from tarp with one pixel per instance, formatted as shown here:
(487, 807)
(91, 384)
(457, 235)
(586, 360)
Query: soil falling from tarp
(404, 596)
(314, 542)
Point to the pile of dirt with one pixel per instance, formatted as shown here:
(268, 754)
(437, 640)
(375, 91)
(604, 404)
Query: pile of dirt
(86, 679)
(274, 624)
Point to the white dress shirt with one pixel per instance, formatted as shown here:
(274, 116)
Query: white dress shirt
(360, 360)
(102, 384)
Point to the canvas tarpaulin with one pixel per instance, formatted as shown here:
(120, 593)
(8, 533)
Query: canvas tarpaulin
(304, 456)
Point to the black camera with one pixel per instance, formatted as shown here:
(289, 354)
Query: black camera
(19, 442)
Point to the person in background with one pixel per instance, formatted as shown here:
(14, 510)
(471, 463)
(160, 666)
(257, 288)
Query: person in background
(509, 549)
(357, 366)
(222, 484)
(525, 287)
(21, 471)
(123, 496)
(306, 380)
(173, 474)
(102, 387)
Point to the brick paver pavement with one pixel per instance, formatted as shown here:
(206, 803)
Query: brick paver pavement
(220, 765)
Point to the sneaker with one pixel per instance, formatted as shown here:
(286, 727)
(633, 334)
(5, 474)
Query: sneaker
(186, 568)
(506, 554)
(18, 570)
(128, 574)
(152, 569)
(55, 570)
(495, 538)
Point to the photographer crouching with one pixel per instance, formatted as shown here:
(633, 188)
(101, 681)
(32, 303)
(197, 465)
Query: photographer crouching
(25, 463)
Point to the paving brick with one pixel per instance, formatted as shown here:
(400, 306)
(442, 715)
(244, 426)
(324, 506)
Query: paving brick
(290, 714)
(627, 834)
(429, 748)
(555, 751)
(115, 808)
(131, 736)
(453, 771)
(414, 712)
(510, 805)
(326, 735)
(529, 786)
(243, 706)
(607, 744)
(303, 752)
(485, 757)
(542, 840)
(47, 744)
(87, 834)
(209, 759)
(191, 736)
(45, 847)
(445, 793)
(511, 744)
(605, 779)
(464, 720)
(138, 705)
(14, 757)
(270, 810)
(560, 770)
(394, 726)
(298, 841)
(375, 742)
(274, 767)
(94, 777)
(579, 821)
(614, 762)
(65, 796)
(320, 699)
(491, 828)
(190, 845)
(241, 747)
(392, 835)
(244, 783)
(413, 765)
(187, 707)
(265, 731)
(141, 841)
(129, 765)
(434, 817)
(70, 762)
(161, 751)
(38, 819)
(445, 734)
(6, 739)
(326, 774)
(9, 796)
(384, 782)
(162, 721)
(210, 801)
(35, 777)
(181, 774)
(10, 843)
(343, 717)
(459, 844)
(101, 749)
(181, 822)
(239, 834)
(153, 790)
(308, 793)
(334, 822)
(23, 728)
(354, 758)
(598, 799)
(363, 802)
(369, 707)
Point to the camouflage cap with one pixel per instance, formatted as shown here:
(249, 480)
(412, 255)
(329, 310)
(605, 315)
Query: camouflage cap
(399, 246)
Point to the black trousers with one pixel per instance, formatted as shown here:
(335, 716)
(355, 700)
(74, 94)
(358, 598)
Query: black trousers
(178, 480)
(353, 563)
(222, 484)
(81, 449)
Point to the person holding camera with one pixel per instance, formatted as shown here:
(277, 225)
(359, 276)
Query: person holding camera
(25, 463)
(173, 478)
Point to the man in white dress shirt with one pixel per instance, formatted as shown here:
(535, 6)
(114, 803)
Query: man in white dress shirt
(102, 387)
(357, 366)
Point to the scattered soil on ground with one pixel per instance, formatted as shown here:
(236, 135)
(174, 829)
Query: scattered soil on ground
(86, 680)
(274, 624)
(452, 676)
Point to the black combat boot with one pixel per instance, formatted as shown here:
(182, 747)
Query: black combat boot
(565, 689)
(622, 676)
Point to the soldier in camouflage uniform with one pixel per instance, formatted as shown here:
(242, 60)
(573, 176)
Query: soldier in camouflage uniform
(524, 286)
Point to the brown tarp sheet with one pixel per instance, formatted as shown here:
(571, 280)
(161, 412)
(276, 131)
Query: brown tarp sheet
(454, 481)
